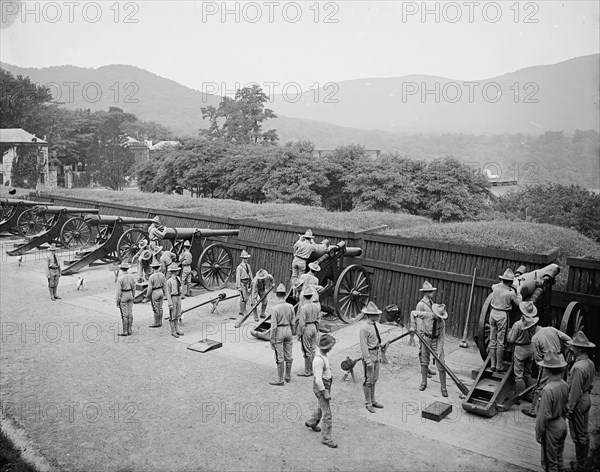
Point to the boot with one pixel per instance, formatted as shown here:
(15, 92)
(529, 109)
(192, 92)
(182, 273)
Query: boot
(443, 383)
(51, 290)
(125, 332)
(262, 313)
(288, 371)
(519, 387)
(173, 329)
(315, 427)
(423, 385)
(177, 327)
(500, 360)
(157, 321)
(332, 443)
(55, 295)
(307, 368)
(492, 358)
(532, 410)
(368, 401)
(129, 325)
(373, 401)
(581, 452)
(279, 381)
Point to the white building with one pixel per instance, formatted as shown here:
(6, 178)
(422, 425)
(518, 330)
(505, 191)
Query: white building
(14, 139)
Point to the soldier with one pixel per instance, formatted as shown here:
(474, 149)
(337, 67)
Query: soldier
(157, 288)
(53, 272)
(174, 299)
(156, 231)
(243, 277)
(520, 336)
(282, 318)
(550, 426)
(166, 259)
(503, 297)
(142, 258)
(309, 316)
(425, 304)
(261, 284)
(185, 259)
(125, 294)
(433, 329)
(370, 345)
(322, 390)
(580, 381)
(309, 279)
(303, 249)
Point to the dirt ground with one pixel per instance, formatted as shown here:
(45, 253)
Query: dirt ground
(86, 399)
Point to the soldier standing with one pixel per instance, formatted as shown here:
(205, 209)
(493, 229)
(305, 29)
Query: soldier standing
(157, 288)
(520, 336)
(156, 231)
(322, 390)
(142, 258)
(185, 259)
(580, 381)
(503, 297)
(125, 292)
(309, 279)
(243, 277)
(282, 318)
(370, 345)
(309, 316)
(433, 329)
(166, 259)
(53, 272)
(425, 304)
(261, 284)
(550, 426)
(174, 300)
(303, 249)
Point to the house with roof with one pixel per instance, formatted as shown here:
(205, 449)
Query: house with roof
(28, 155)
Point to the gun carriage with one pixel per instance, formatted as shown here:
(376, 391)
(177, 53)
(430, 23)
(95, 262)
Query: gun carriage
(11, 211)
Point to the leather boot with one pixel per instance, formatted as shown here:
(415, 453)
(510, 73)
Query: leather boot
(519, 387)
(279, 381)
(178, 327)
(492, 358)
(373, 401)
(532, 410)
(173, 329)
(125, 331)
(368, 400)
(288, 371)
(307, 368)
(55, 295)
(423, 385)
(500, 360)
(129, 325)
(157, 321)
(51, 290)
(443, 383)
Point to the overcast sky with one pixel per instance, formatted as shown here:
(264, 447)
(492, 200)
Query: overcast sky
(305, 42)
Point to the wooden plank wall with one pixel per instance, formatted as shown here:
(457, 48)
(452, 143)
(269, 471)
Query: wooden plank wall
(584, 276)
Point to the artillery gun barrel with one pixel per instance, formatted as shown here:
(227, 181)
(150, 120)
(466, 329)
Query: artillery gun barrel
(111, 220)
(187, 234)
(527, 281)
(55, 210)
(324, 252)
(14, 202)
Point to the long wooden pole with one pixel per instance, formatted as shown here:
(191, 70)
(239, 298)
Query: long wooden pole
(463, 343)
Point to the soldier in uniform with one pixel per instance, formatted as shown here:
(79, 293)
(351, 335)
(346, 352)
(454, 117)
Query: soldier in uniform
(282, 319)
(174, 300)
(550, 426)
(322, 390)
(370, 345)
(166, 259)
(503, 297)
(580, 381)
(185, 259)
(303, 249)
(261, 284)
(520, 336)
(157, 288)
(142, 258)
(425, 304)
(243, 277)
(309, 279)
(125, 294)
(309, 316)
(433, 329)
(53, 272)
(156, 231)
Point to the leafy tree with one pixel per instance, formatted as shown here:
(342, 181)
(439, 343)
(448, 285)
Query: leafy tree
(339, 167)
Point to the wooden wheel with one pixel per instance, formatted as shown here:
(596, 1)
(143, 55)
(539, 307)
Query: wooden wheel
(76, 233)
(102, 236)
(30, 223)
(215, 267)
(483, 330)
(351, 293)
(128, 245)
(574, 319)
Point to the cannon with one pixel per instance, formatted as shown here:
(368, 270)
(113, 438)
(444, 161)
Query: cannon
(11, 210)
(46, 225)
(349, 286)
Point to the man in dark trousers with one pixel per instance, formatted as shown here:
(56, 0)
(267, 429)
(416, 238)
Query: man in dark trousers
(550, 425)
(580, 381)
(370, 345)
(124, 298)
(53, 272)
(282, 318)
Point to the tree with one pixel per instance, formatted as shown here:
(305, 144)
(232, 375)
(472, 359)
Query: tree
(339, 166)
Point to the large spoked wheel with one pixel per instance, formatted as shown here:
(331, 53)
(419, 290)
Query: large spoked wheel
(76, 233)
(30, 223)
(574, 319)
(129, 243)
(483, 329)
(102, 235)
(215, 267)
(352, 293)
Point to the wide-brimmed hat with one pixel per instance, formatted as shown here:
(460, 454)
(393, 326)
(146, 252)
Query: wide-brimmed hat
(553, 360)
(244, 254)
(529, 321)
(174, 268)
(371, 309)
(508, 275)
(262, 274)
(145, 255)
(439, 309)
(186, 243)
(314, 267)
(528, 308)
(327, 341)
(156, 219)
(308, 291)
(142, 243)
(124, 265)
(52, 247)
(521, 270)
(308, 234)
(581, 340)
(427, 287)
(155, 264)
(280, 289)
